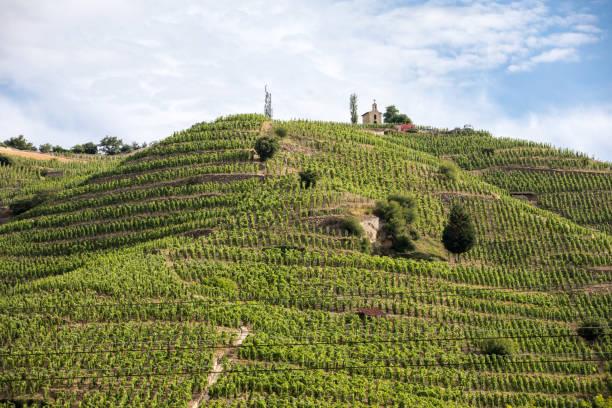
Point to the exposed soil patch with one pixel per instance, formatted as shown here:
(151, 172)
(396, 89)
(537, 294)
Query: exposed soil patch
(596, 288)
(35, 155)
(218, 368)
(371, 225)
(529, 196)
(5, 214)
(294, 146)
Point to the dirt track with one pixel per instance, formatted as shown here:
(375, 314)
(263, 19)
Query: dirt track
(34, 155)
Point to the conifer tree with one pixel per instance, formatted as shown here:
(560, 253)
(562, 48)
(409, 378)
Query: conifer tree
(353, 108)
(459, 234)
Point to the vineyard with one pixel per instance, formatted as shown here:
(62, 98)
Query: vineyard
(193, 273)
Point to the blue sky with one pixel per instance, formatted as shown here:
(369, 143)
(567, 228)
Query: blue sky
(73, 71)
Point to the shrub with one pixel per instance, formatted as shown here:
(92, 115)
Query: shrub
(266, 147)
(448, 170)
(403, 243)
(499, 347)
(5, 160)
(591, 329)
(352, 226)
(308, 178)
(280, 132)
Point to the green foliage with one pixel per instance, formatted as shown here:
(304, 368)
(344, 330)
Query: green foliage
(58, 149)
(266, 147)
(353, 108)
(308, 178)
(459, 234)
(111, 145)
(280, 132)
(403, 243)
(449, 170)
(45, 148)
(20, 143)
(592, 329)
(87, 148)
(498, 347)
(397, 212)
(392, 115)
(352, 226)
(600, 402)
(6, 160)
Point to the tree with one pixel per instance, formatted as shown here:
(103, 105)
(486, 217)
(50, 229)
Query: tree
(592, 329)
(90, 148)
(266, 147)
(459, 234)
(392, 115)
(19, 143)
(353, 108)
(45, 148)
(77, 149)
(58, 149)
(268, 104)
(110, 145)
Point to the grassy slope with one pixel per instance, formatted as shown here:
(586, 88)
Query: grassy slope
(195, 218)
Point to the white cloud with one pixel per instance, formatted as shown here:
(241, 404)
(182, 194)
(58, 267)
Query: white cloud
(140, 70)
(584, 128)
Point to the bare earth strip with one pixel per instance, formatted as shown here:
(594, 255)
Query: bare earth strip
(34, 155)
(217, 369)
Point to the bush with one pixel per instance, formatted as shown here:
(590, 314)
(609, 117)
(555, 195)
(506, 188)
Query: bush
(5, 160)
(308, 178)
(403, 243)
(498, 347)
(592, 329)
(20, 206)
(280, 132)
(352, 226)
(266, 147)
(448, 170)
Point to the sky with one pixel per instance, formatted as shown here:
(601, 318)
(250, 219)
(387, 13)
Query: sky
(74, 71)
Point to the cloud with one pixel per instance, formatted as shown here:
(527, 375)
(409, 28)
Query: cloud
(554, 55)
(141, 70)
(584, 129)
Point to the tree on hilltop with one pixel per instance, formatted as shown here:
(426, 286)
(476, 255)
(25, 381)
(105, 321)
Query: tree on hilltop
(392, 115)
(353, 108)
(20, 143)
(459, 234)
(110, 145)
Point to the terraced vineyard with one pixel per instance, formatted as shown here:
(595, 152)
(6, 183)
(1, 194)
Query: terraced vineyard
(191, 274)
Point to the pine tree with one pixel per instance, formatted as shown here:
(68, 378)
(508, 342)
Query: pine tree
(459, 234)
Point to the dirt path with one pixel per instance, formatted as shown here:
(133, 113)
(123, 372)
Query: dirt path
(217, 368)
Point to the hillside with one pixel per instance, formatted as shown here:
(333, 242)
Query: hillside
(191, 274)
